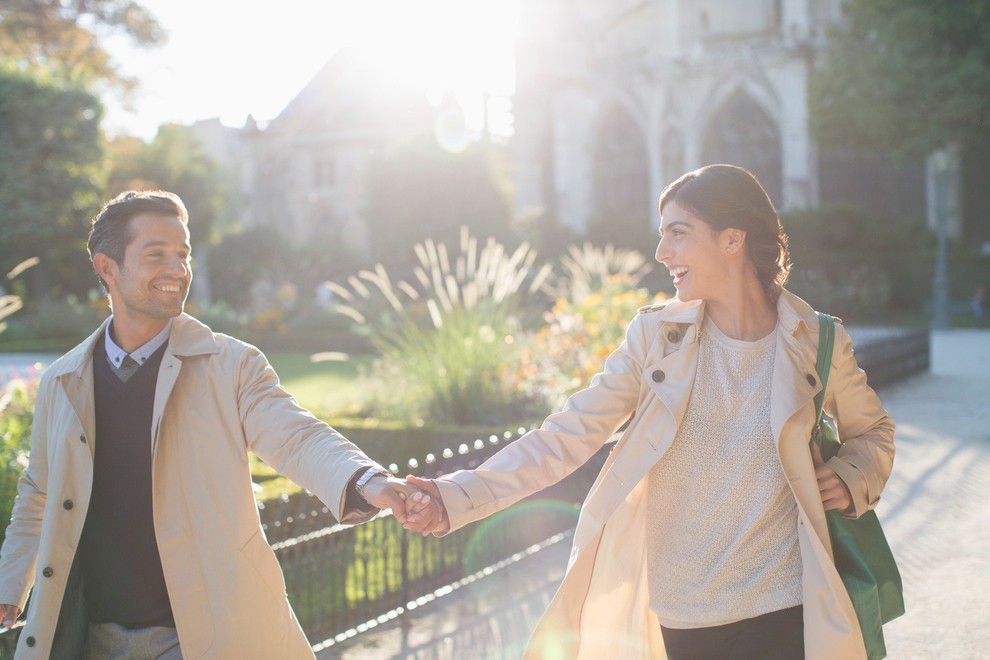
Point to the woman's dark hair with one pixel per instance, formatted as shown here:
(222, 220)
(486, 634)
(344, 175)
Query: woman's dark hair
(111, 231)
(727, 196)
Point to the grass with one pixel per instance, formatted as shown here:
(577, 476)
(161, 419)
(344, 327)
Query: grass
(326, 388)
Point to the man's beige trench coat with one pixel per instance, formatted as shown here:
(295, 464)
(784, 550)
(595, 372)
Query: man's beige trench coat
(602, 607)
(216, 398)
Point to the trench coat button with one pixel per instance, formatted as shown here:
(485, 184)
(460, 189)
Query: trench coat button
(811, 380)
(658, 376)
(82, 438)
(29, 641)
(67, 505)
(48, 572)
(673, 336)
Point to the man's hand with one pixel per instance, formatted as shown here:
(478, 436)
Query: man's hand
(835, 492)
(415, 520)
(8, 615)
(402, 498)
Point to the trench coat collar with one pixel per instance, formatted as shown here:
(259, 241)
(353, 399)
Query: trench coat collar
(188, 337)
(797, 344)
(793, 314)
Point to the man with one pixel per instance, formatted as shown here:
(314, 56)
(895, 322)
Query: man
(135, 520)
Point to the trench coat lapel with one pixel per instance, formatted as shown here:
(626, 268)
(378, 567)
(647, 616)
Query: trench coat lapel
(188, 338)
(791, 388)
(74, 373)
(795, 381)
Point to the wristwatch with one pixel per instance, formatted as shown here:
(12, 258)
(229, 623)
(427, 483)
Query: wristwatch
(368, 475)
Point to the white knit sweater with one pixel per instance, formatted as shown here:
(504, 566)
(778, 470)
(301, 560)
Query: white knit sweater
(723, 543)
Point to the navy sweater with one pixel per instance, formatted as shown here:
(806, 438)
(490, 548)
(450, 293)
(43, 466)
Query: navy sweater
(122, 570)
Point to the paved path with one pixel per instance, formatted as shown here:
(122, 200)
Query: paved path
(935, 510)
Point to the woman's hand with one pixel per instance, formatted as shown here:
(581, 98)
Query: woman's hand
(835, 492)
(414, 522)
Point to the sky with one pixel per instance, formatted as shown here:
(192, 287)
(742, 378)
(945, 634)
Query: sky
(228, 59)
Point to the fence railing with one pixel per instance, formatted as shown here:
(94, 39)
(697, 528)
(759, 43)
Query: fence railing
(340, 577)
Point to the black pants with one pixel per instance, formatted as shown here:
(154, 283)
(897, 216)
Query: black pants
(773, 636)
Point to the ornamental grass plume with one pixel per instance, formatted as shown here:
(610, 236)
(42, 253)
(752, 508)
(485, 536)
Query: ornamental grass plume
(588, 269)
(446, 335)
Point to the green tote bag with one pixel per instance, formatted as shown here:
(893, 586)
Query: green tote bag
(862, 555)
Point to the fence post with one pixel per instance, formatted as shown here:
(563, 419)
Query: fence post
(404, 589)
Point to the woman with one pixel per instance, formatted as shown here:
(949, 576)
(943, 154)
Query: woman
(704, 535)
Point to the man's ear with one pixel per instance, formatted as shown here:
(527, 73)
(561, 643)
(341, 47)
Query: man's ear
(105, 267)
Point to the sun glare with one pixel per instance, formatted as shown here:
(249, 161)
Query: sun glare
(463, 48)
(228, 59)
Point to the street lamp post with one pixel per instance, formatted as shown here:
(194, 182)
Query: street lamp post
(941, 317)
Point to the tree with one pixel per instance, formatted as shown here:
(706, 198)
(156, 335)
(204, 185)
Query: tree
(905, 76)
(174, 161)
(63, 37)
(51, 178)
(418, 190)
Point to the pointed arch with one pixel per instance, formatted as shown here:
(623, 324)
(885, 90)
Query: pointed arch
(621, 170)
(673, 155)
(741, 132)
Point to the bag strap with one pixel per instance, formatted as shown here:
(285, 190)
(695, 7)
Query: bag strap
(826, 342)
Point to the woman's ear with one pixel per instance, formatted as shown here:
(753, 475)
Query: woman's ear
(733, 240)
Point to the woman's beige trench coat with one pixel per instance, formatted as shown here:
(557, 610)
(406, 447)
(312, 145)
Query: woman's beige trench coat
(216, 398)
(602, 607)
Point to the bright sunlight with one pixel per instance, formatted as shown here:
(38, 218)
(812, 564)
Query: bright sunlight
(229, 59)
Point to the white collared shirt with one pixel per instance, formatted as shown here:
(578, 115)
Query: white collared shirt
(140, 354)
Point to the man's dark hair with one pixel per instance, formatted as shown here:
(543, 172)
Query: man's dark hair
(111, 231)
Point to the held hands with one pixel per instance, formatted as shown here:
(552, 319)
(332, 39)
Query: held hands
(835, 492)
(414, 509)
(438, 525)
(8, 615)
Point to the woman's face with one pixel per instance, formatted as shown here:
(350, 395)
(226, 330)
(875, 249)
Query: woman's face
(694, 254)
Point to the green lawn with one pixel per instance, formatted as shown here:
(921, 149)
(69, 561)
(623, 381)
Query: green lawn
(326, 388)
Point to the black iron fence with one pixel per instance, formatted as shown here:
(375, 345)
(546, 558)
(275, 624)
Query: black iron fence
(340, 577)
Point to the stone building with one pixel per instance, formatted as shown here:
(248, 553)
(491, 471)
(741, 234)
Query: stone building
(304, 171)
(616, 98)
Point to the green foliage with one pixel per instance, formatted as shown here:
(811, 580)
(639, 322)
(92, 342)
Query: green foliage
(455, 373)
(51, 178)
(243, 259)
(908, 76)
(858, 266)
(64, 37)
(17, 400)
(447, 338)
(418, 190)
(173, 161)
(580, 332)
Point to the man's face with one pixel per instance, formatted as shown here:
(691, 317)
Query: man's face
(152, 282)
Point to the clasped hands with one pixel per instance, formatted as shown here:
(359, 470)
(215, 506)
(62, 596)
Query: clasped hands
(415, 502)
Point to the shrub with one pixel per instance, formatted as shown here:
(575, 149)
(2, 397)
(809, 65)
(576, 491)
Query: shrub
(447, 338)
(17, 401)
(562, 357)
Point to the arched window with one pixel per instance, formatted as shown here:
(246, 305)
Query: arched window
(621, 178)
(741, 133)
(671, 156)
